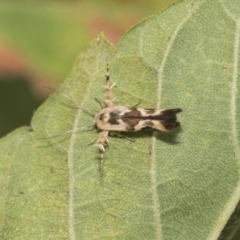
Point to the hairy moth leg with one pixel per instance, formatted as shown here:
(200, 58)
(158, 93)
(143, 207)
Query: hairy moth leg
(103, 135)
(118, 134)
(108, 88)
(100, 142)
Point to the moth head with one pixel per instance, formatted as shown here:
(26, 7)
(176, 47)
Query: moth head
(102, 117)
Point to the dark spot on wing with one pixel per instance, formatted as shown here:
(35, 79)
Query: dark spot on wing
(113, 121)
(166, 118)
(131, 118)
(169, 118)
(114, 117)
(150, 110)
(101, 116)
(132, 113)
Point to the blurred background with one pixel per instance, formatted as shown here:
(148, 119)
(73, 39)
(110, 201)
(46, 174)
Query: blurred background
(40, 40)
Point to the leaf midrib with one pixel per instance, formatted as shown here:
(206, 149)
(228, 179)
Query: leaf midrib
(233, 106)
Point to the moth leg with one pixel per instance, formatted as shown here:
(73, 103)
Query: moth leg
(108, 88)
(138, 102)
(118, 134)
(100, 142)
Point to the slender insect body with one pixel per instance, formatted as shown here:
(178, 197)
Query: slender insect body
(124, 119)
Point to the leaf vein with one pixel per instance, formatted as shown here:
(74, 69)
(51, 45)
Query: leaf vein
(233, 106)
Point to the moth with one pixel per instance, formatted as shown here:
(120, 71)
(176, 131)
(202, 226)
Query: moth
(115, 119)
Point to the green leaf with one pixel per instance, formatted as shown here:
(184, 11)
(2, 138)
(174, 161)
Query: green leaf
(180, 185)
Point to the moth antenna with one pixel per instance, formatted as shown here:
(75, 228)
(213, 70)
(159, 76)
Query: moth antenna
(76, 105)
(113, 85)
(108, 88)
(93, 113)
(121, 136)
(66, 96)
(70, 131)
(138, 102)
(99, 102)
(93, 142)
